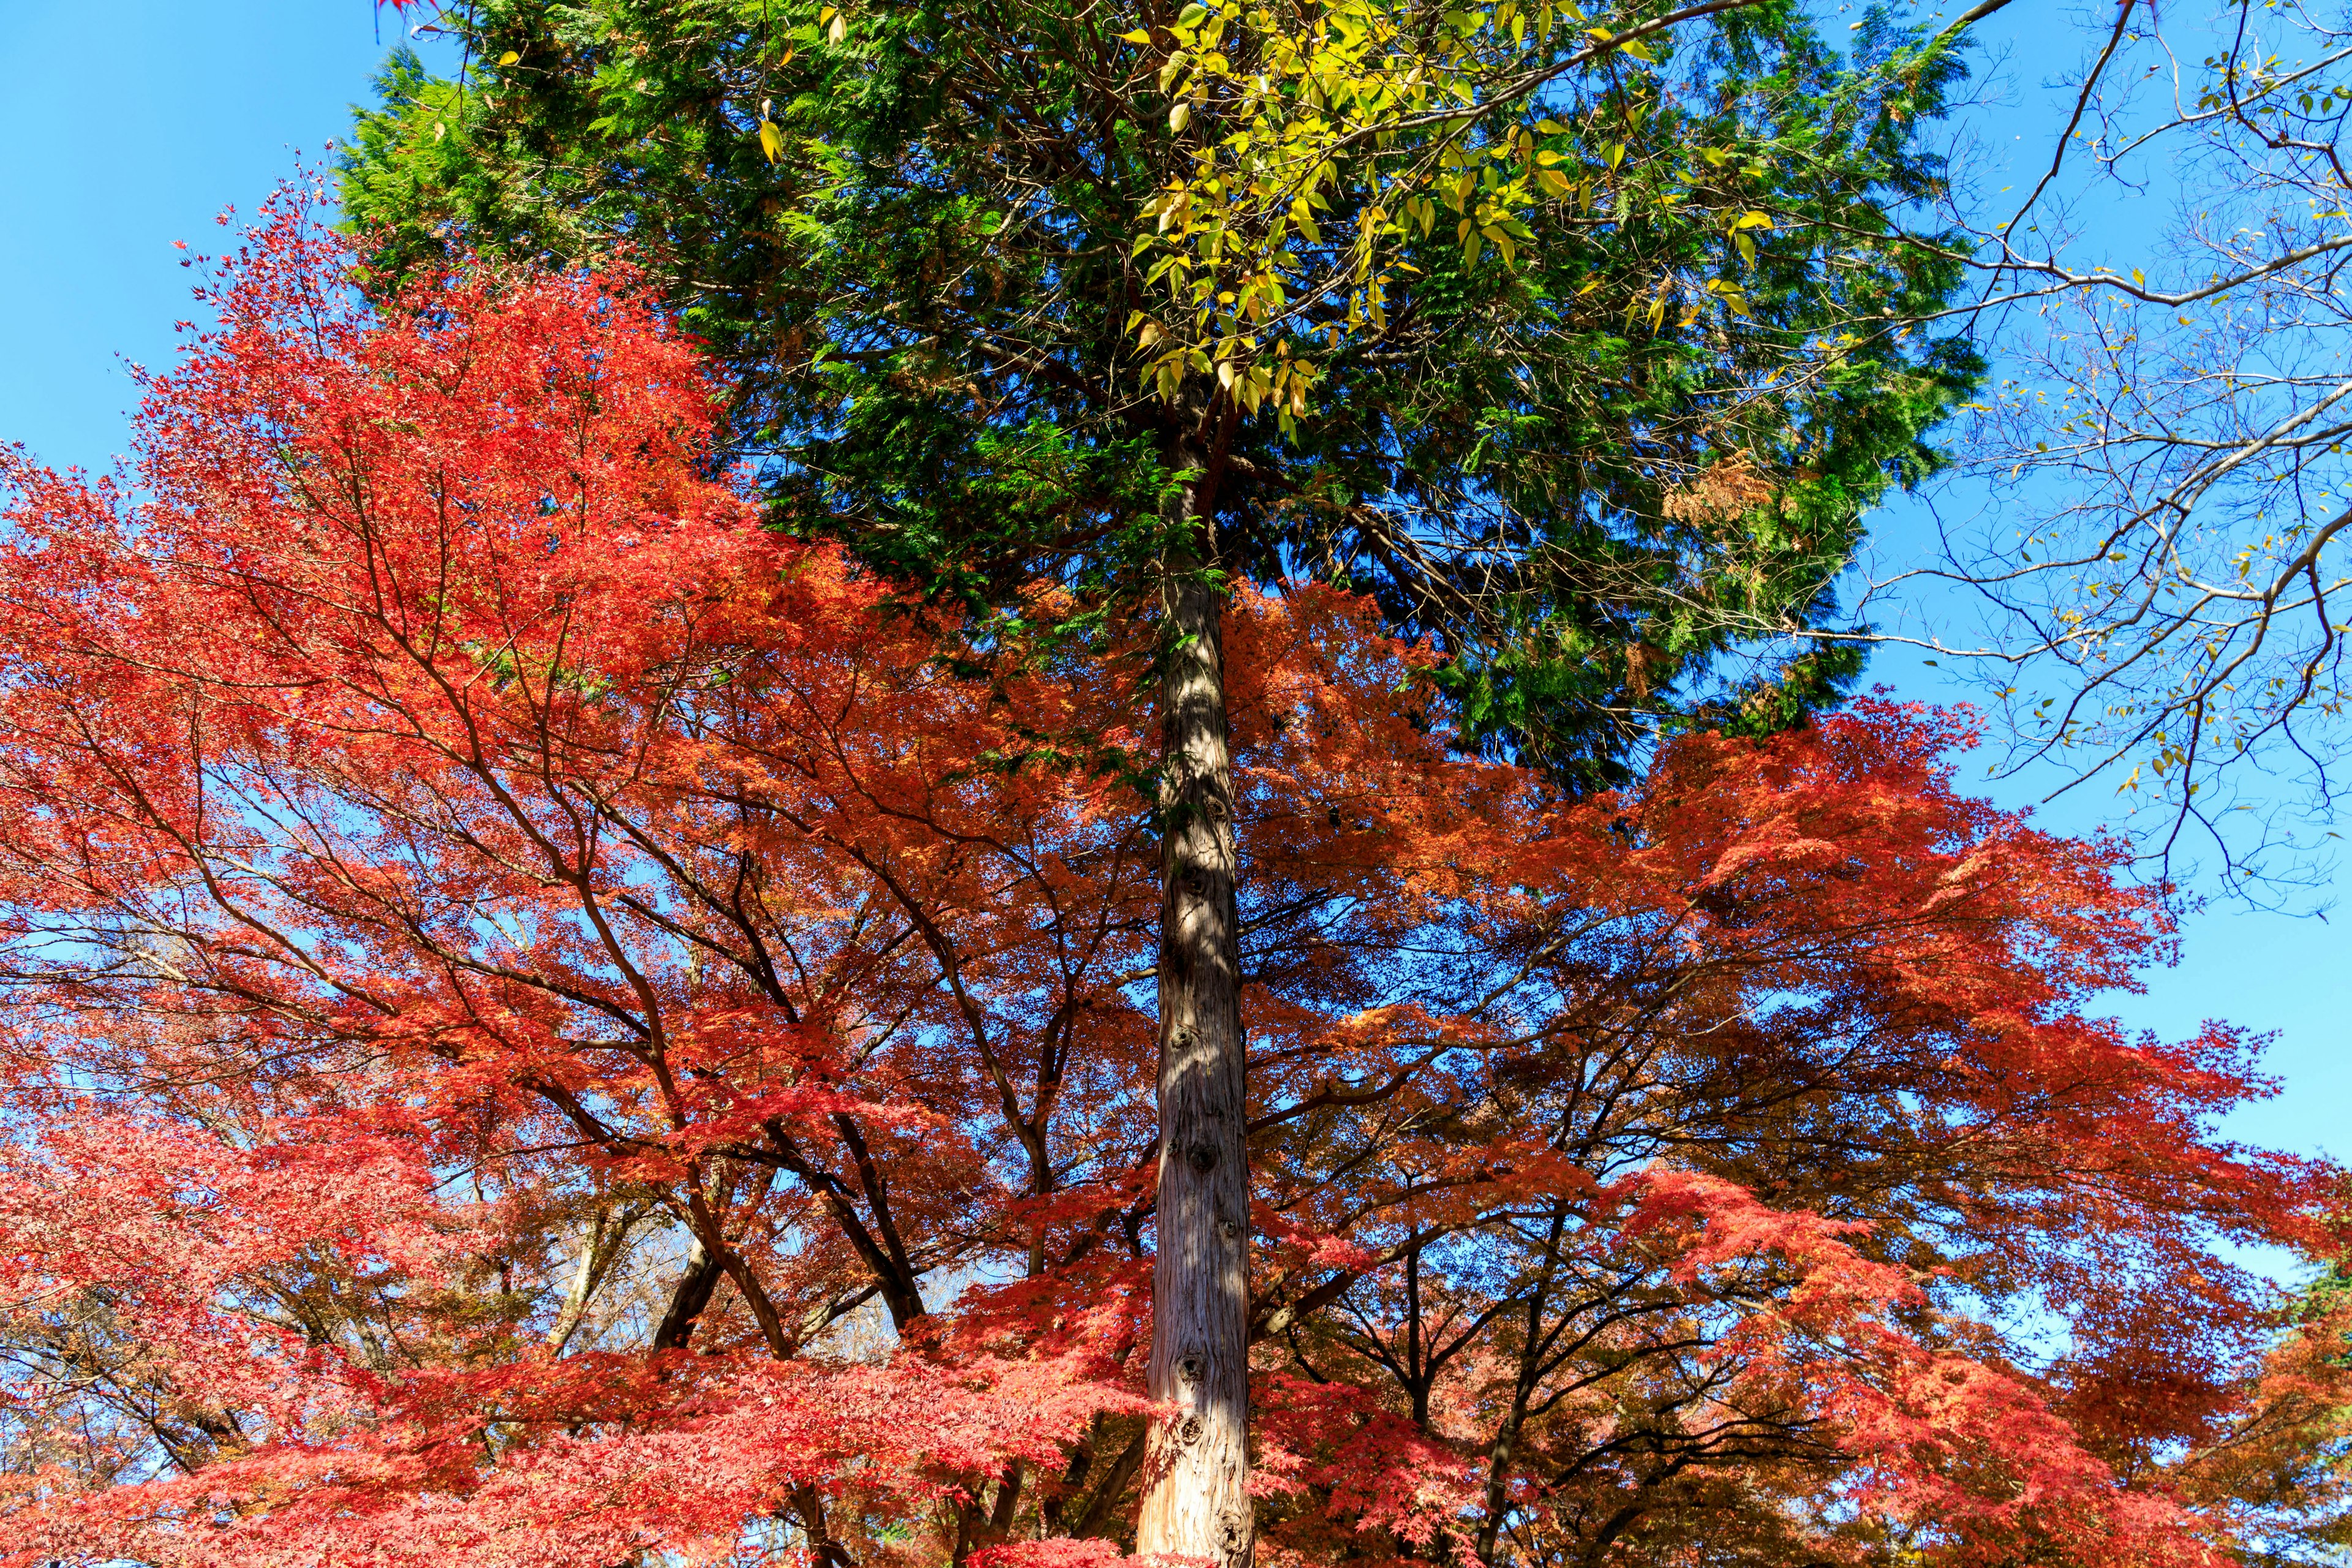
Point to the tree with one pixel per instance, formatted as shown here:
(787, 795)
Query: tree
(1013, 294)
(2278, 1467)
(2161, 579)
(907, 237)
(545, 1023)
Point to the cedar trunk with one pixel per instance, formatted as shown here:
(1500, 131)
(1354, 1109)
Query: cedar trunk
(1196, 1499)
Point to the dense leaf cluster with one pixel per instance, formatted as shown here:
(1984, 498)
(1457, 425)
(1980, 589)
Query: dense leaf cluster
(909, 233)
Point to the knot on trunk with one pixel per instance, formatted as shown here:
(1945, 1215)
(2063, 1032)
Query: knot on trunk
(1233, 1531)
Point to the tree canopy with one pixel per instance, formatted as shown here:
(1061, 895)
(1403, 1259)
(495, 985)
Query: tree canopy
(545, 1025)
(1063, 312)
(942, 250)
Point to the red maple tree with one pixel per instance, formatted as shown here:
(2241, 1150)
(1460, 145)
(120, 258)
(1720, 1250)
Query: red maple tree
(548, 1024)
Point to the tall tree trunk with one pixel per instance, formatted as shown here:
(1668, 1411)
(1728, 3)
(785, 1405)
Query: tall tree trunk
(1196, 1501)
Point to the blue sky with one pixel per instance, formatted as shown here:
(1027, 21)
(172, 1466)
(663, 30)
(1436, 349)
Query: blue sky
(127, 125)
(131, 124)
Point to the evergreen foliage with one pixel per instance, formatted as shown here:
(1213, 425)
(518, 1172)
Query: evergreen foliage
(1589, 469)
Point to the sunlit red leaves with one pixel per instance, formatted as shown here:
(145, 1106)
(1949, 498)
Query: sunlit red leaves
(452, 855)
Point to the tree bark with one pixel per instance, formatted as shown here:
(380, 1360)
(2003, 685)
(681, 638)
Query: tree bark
(691, 1295)
(1196, 1500)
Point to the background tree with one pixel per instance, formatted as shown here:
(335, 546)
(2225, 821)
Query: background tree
(543, 1022)
(1023, 294)
(2155, 594)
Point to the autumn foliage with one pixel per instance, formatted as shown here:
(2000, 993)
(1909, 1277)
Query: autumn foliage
(548, 1024)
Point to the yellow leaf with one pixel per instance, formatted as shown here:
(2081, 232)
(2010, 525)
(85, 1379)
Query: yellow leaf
(771, 140)
(1179, 116)
(839, 29)
(509, 57)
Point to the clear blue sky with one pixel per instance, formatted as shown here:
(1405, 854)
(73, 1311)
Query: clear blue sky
(128, 124)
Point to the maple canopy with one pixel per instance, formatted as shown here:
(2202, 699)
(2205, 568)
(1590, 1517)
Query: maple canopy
(547, 1023)
(1131, 301)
